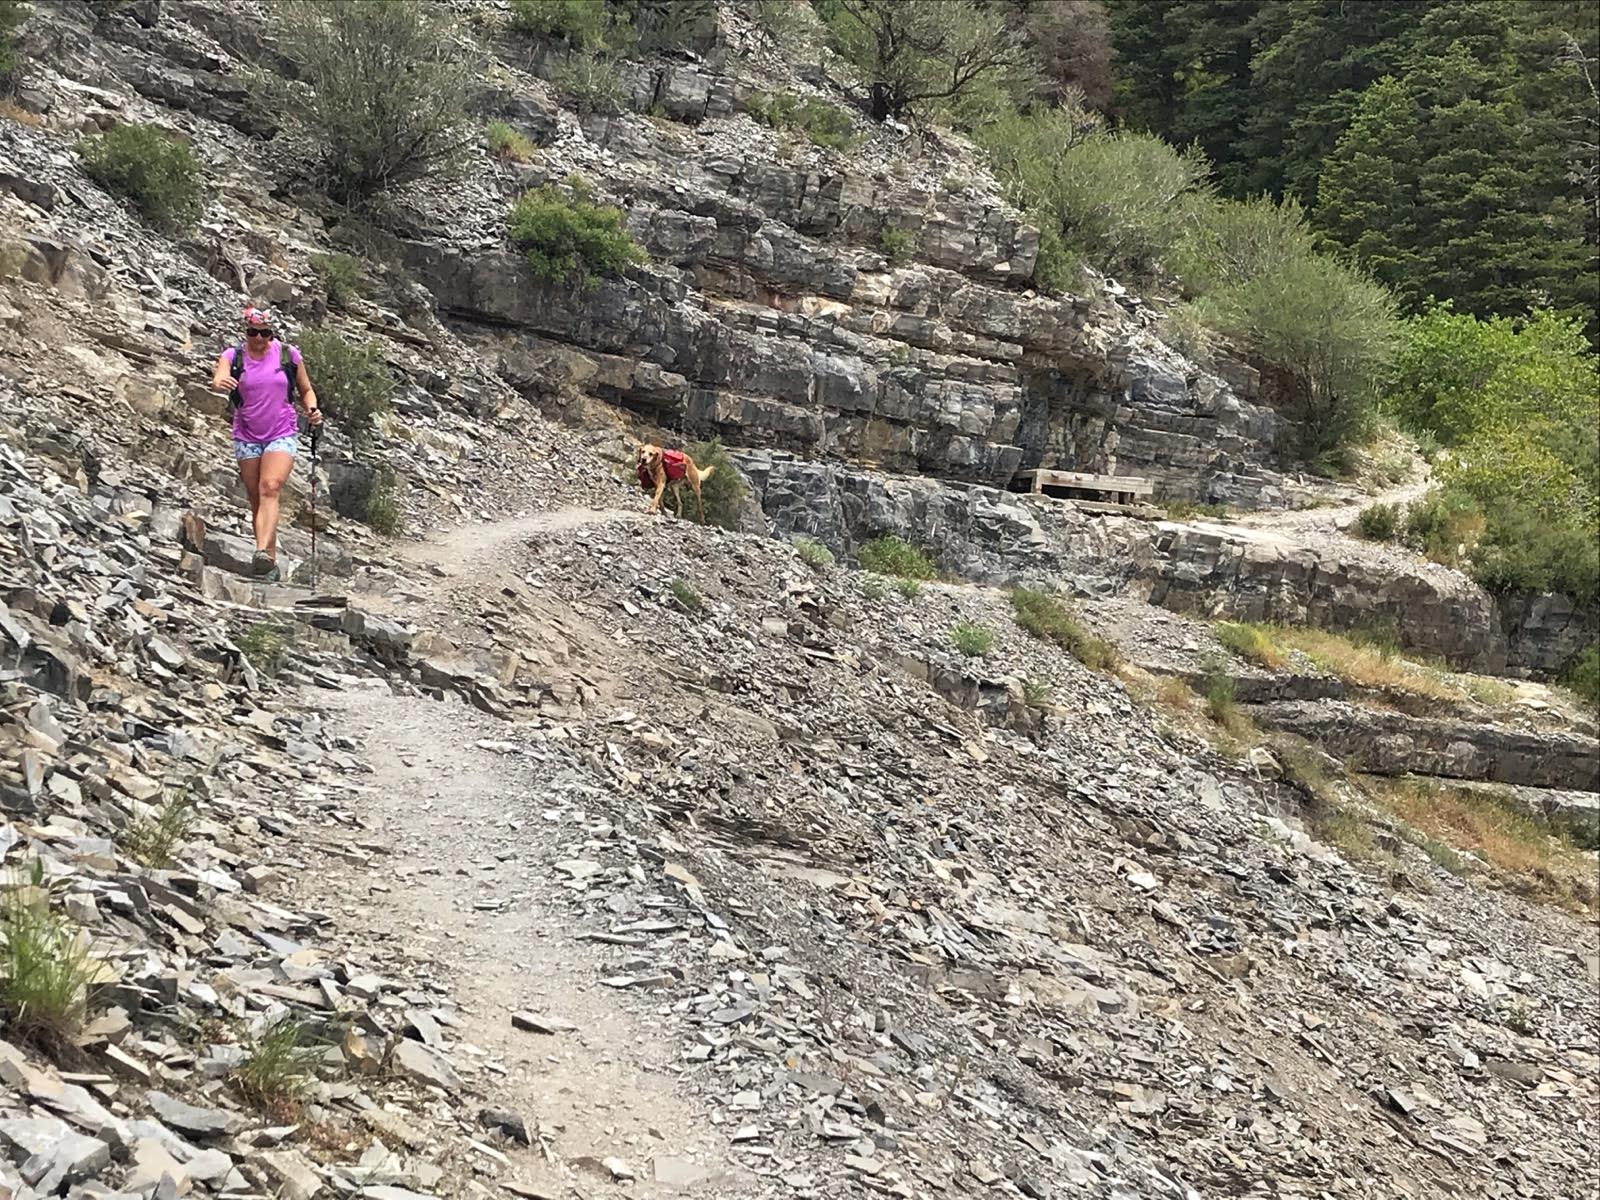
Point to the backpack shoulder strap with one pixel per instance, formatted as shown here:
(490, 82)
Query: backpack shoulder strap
(290, 371)
(238, 361)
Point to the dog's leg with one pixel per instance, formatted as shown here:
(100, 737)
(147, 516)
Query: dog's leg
(661, 487)
(699, 500)
(677, 496)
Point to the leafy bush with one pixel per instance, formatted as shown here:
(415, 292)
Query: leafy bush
(1380, 522)
(1184, 328)
(266, 645)
(1219, 692)
(45, 970)
(813, 553)
(152, 836)
(578, 23)
(1331, 329)
(1444, 525)
(888, 555)
(570, 235)
(908, 54)
(1583, 677)
(688, 599)
(384, 514)
(896, 245)
(341, 275)
(351, 378)
(1120, 199)
(1046, 616)
(382, 90)
(507, 144)
(724, 494)
(1037, 693)
(155, 170)
(874, 587)
(825, 124)
(13, 13)
(909, 588)
(974, 641)
(590, 83)
(1224, 243)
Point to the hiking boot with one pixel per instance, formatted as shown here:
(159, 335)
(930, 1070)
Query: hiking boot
(261, 564)
(271, 575)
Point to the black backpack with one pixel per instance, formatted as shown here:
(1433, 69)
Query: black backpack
(285, 364)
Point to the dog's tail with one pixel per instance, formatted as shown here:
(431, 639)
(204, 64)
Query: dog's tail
(706, 472)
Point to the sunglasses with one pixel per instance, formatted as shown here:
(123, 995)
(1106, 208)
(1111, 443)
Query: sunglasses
(260, 333)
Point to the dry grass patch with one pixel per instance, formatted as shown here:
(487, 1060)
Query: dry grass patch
(1361, 659)
(1487, 823)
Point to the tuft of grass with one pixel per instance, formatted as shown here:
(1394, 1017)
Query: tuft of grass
(46, 973)
(1047, 616)
(1188, 510)
(384, 514)
(813, 553)
(1519, 1017)
(974, 641)
(507, 144)
(825, 124)
(873, 587)
(152, 836)
(1220, 704)
(273, 1075)
(909, 588)
(341, 276)
(1037, 693)
(888, 555)
(1252, 642)
(266, 644)
(688, 599)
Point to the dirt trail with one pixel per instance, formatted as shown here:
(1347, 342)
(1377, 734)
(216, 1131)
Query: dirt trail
(475, 830)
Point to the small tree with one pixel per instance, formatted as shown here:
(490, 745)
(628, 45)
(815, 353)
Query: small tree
(911, 52)
(384, 90)
(353, 385)
(12, 15)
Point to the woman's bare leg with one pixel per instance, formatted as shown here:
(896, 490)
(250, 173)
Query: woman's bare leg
(275, 468)
(250, 475)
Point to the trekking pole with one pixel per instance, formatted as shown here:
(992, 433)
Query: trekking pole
(316, 437)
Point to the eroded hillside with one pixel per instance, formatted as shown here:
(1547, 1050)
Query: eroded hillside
(553, 848)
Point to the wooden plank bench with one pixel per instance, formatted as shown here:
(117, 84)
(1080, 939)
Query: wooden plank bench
(1079, 485)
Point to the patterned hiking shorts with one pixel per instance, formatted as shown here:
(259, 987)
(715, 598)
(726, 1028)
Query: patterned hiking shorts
(248, 450)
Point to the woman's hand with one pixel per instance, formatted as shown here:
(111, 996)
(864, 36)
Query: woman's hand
(313, 411)
(224, 383)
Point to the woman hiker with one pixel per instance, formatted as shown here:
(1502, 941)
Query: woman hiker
(265, 428)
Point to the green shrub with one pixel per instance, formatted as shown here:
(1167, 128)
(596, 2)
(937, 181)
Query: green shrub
(974, 641)
(825, 124)
(352, 381)
(153, 169)
(1380, 522)
(276, 1068)
(46, 972)
(384, 514)
(381, 92)
(666, 26)
(1444, 525)
(1219, 692)
(909, 588)
(813, 553)
(341, 275)
(1037, 693)
(874, 587)
(688, 599)
(507, 144)
(570, 236)
(266, 645)
(1583, 677)
(1047, 616)
(1121, 200)
(725, 493)
(578, 23)
(13, 13)
(151, 837)
(896, 244)
(590, 83)
(888, 555)
(1381, 634)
